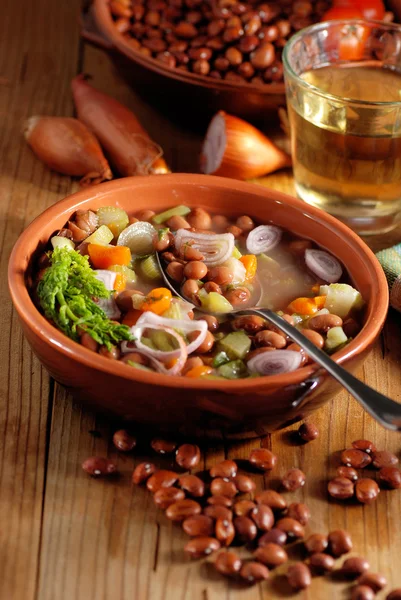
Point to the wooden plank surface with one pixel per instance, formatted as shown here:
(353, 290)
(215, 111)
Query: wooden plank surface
(64, 536)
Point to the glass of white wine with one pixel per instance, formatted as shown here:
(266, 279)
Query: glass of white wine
(343, 85)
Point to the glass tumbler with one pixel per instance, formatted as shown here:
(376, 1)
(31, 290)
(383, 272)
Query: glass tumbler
(343, 86)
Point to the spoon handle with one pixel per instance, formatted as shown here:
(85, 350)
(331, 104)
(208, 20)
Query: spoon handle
(382, 408)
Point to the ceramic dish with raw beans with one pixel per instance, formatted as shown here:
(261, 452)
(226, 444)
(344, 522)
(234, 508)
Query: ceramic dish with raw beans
(86, 285)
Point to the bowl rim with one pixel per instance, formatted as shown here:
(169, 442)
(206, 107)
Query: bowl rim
(104, 21)
(59, 342)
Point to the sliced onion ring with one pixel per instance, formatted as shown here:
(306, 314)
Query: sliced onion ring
(157, 364)
(275, 362)
(106, 277)
(323, 265)
(263, 238)
(151, 321)
(215, 247)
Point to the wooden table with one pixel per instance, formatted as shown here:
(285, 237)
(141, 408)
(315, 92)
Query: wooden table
(64, 536)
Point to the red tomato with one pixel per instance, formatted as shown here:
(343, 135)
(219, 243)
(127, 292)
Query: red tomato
(341, 13)
(370, 9)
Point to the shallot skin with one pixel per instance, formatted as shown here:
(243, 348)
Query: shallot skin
(126, 143)
(67, 146)
(243, 152)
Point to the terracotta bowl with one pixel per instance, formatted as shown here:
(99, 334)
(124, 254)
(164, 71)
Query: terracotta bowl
(212, 408)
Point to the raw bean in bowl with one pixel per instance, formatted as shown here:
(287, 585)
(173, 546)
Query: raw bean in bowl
(220, 500)
(383, 458)
(362, 592)
(299, 576)
(263, 517)
(181, 510)
(245, 529)
(163, 446)
(376, 581)
(293, 479)
(321, 562)
(263, 459)
(224, 531)
(271, 498)
(193, 485)
(201, 546)
(340, 542)
(216, 511)
(124, 441)
(142, 472)
(271, 555)
(253, 572)
(355, 566)
(98, 466)
(188, 456)
(166, 496)
(198, 525)
(223, 487)
(366, 490)
(390, 477)
(243, 508)
(300, 512)
(357, 459)
(291, 527)
(225, 468)
(348, 473)
(316, 543)
(244, 484)
(394, 595)
(364, 445)
(228, 563)
(274, 536)
(161, 479)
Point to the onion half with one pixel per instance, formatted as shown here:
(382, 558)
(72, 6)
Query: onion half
(216, 248)
(263, 238)
(275, 362)
(323, 265)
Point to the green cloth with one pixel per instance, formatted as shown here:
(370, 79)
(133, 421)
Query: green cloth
(390, 260)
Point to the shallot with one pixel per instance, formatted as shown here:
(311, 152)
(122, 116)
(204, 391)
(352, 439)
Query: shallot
(125, 141)
(234, 148)
(215, 248)
(275, 362)
(67, 146)
(323, 264)
(263, 238)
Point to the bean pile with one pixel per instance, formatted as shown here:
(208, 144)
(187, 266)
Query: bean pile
(236, 41)
(363, 454)
(215, 515)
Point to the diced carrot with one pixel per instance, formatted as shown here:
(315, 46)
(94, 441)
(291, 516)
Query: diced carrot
(131, 317)
(120, 282)
(320, 301)
(302, 306)
(316, 288)
(250, 263)
(199, 371)
(157, 301)
(103, 257)
(170, 363)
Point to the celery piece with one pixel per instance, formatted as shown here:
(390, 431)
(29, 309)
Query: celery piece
(221, 358)
(150, 268)
(102, 236)
(219, 336)
(342, 298)
(115, 218)
(137, 301)
(264, 260)
(131, 363)
(162, 340)
(173, 312)
(236, 253)
(59, 241)
(323, 290)
(129, 273)
(138, 237)
(335, 338)
(177, 211)
(214, 303)
(233, 370)
(235, 344)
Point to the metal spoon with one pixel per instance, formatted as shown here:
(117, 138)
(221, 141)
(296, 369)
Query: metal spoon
(383, 409)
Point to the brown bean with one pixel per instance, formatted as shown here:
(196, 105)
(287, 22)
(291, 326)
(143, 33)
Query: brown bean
(366, 490)
(145, 215)
(263, 459)
(316, 543)
(354, 567)
(166, 496)
(299, 576)
(142, 472)
(245, 223)
(176, 222)
(161, 479)
(276, 501)
(223, 487)
(323, 323)
(341, 488)
(198, 217)
(291, 527)
(250, 323)
(390, 477)
(199, 54)
(245, 529)
(201, 67)
(199, 525)
(271, 555)
(187, 456)
(364, 445)
(220, 275)
(394, 595)
(224, 531)
(263, 56)
(263, 517)
(88, 342)
(236, 231)
(193, 485)
(322, 563)
(194, 361)
(112, 354)
(181, 510)
(347, 472)
(163, 446)
(293, 480)
(201, 546)
(269, 338)
(308, 432)
(119, 10)
(98, 466)
(244, 484)
(351, 328)
(253, 572)
(269, 33)
(185, 30)
(228, 563)
(217, 511)
(212, 322)
(124, 441)
(175, 270)
(206, 345)
(243, 508)
(355, 459)
(247, 44)
(314, 337)
(210, 286)
(231, 34)
(225, 468)
(300, 512)
(339, 542)
(383, 459)
(375, 581)
(189, 289)
(274, 536)
(220, 501)
(362, 592)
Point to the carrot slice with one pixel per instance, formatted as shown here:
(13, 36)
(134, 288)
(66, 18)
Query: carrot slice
(250, 263)
(320, 301)
(157, 301)
(131, 317)
(199, 371)
(303, 306)
(103, 257)
(120, 282)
